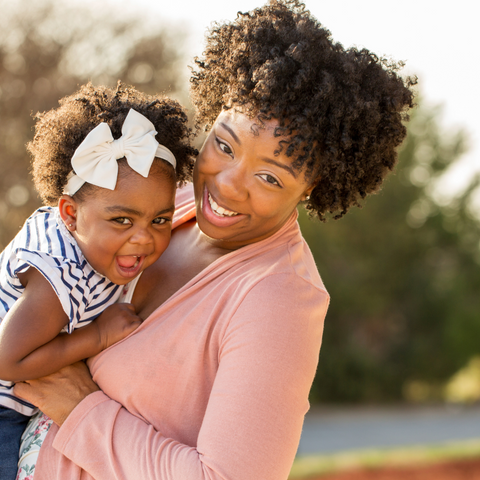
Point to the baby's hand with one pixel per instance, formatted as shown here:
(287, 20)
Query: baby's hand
(116, 322)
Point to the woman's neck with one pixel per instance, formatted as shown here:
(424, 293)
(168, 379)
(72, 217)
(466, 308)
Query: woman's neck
(209, 246)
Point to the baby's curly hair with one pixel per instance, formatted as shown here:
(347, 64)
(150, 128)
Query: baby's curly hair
(59, 132)
(340, 111)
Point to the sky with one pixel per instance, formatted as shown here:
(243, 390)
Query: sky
(438, 40)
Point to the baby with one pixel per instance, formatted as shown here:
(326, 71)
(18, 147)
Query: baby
(106, 162)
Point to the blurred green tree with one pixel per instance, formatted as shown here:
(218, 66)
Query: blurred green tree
(47, 49)
(404, 277)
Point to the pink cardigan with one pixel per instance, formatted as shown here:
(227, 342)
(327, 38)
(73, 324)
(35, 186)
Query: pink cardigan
(214, 384)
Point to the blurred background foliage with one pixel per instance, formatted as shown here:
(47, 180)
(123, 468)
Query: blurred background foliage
(404, 277)
(403, 272)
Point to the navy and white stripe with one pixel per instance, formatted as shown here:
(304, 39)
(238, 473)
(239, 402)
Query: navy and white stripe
(45, 244)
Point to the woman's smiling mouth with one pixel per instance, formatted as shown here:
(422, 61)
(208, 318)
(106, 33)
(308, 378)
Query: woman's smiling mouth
(220, 211)
(217, 215)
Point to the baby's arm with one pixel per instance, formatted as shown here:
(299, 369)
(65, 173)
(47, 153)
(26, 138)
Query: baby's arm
(30, 343)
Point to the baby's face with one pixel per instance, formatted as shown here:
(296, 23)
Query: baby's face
(122, 232)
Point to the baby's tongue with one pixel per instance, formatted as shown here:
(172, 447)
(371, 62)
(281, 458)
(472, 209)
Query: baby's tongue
(126, 261)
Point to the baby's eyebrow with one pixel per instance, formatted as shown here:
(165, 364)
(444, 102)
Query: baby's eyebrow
(120, 209)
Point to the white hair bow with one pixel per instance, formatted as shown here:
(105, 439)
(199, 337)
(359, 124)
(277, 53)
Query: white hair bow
(95, 160)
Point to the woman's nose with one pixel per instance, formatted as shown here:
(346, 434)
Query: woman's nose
(232, 182)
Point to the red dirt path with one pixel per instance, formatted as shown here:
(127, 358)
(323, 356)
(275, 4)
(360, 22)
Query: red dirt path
(454, 470)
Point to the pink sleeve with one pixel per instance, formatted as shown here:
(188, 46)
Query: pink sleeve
(254, 417)
(109, 443)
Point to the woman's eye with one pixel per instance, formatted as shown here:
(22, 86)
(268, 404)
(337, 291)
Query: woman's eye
(270, 179)
(224, 147)
(122, 220)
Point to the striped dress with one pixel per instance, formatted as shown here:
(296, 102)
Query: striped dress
(45, 244)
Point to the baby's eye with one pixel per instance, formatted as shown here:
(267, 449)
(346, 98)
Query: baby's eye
(122, 220)
(160, 221)
(270, 179)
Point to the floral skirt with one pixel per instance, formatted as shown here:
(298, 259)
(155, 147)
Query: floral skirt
(32, 440)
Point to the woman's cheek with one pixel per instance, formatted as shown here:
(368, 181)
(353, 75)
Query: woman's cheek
(209, 161)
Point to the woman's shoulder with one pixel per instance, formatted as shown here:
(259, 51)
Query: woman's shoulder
(279, 299)
(284, 254)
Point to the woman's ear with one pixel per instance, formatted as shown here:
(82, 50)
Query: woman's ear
(306, 195)
(309, 190)
(67, 208)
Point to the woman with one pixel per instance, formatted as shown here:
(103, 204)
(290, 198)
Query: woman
(214, 383)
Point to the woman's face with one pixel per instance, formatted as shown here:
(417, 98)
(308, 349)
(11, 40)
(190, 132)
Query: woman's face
(244, 192)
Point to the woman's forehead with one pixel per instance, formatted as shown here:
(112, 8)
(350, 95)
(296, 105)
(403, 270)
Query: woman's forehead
(242, 123)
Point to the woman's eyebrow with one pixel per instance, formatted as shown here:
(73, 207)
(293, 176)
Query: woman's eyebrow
(289, 169)
(231, 132)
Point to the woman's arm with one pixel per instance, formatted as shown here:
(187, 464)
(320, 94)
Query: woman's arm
(31, 344)
(254, 416)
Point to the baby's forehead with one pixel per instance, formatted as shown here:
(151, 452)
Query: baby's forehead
(158, 186)
(158, 167)
(160, 172)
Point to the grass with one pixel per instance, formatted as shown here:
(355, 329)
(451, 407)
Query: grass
(307, 466)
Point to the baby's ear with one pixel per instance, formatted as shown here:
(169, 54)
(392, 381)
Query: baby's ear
(67, 208)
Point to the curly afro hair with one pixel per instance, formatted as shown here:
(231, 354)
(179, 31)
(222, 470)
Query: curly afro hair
(60, 131)
(340, 111)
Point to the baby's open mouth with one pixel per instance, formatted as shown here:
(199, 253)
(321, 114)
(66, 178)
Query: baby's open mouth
(128, 261)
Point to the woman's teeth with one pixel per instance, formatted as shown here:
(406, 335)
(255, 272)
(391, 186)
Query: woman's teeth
(220, 211)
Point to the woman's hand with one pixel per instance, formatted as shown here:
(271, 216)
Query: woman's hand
(58, 394)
